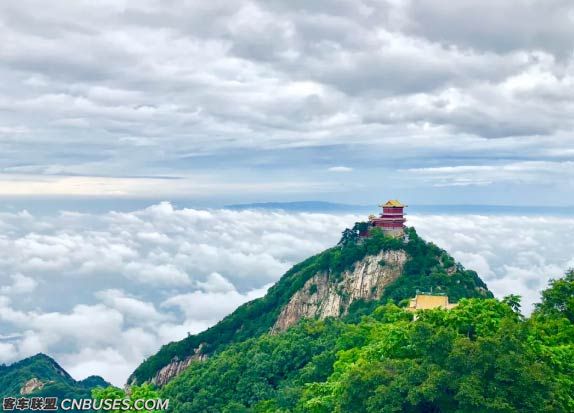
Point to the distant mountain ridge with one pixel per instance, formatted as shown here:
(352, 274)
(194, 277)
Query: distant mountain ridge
(40, 375)
(334, 207)
(303, 206)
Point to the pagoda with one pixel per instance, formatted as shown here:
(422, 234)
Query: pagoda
(392, 220)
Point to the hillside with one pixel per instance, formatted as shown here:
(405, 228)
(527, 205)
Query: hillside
(481, 356)
(40, 375)
(344, 281)
(337, 338)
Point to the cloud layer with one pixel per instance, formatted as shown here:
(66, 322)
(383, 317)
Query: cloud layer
(102, 291)
(254, 97)
(253, 101)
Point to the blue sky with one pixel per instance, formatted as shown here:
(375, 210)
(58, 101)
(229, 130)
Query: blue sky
(239, 101)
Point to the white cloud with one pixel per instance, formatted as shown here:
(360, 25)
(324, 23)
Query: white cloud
(7, 352)
(20, 285)
(216, 283)
(211, 307)
(100, 292)
(531, 172)
(340, 169)
(106, 362)
(512, 254)
(359, 84)
(165, 274)
(100, 297)
(141, 311)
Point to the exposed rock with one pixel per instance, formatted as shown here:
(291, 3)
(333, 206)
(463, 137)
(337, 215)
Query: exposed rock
(31, 386)
(176, 366)
(323, 296)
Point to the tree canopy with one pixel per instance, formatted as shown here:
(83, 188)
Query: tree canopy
(481, 356)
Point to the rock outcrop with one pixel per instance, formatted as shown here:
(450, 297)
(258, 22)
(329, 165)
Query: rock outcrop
(326, 296)
(31, 386)
(176, 366)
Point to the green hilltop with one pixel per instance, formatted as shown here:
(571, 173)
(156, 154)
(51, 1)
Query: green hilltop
(427, 267)
(481, 356)
(377, 356)
(45, 377)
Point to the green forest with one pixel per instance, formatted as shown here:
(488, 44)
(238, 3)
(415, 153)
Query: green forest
(56, 382)
(482, 356)
(428, 267)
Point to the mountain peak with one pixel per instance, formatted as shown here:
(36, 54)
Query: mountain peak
(347, 280)
(40, 374)
(42, 357)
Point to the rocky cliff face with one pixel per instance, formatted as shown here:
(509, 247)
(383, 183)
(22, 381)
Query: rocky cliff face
(324, 296)
(31, 386)
(176, 366)
(326, 284)
(321, 296)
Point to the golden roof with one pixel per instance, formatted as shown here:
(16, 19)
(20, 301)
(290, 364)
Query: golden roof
(392, 203)
(429, 301)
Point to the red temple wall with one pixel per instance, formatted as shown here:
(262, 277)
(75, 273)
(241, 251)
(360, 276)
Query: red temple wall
(392, 225)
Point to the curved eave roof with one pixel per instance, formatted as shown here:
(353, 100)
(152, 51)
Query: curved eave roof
(393, 203)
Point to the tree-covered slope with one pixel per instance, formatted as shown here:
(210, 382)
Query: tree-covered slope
(44, 377)
(427, 267)
(481, 356)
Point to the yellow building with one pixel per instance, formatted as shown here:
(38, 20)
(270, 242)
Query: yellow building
(424, 301)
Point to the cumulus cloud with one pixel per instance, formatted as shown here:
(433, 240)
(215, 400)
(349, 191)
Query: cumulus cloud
(512, 254)
(20, 285)
(212, 306)
(100, 292)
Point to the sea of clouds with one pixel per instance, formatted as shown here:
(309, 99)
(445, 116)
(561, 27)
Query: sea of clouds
(100, 292)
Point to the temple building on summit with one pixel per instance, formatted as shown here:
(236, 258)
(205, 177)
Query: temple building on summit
(392, 220)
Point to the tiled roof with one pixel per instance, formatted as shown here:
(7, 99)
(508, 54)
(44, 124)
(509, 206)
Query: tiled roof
(393, 203)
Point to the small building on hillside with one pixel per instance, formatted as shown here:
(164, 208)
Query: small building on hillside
(392, 220)
(428, 301)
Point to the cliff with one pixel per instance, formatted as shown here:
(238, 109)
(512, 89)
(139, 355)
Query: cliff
(322, 297)
(176, 366)
(345, 280)
(481, 355)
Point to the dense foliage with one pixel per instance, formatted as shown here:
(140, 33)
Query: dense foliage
(482, 356)
(57, 383)
(428, 267)
(267, 367)
(144, 392)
